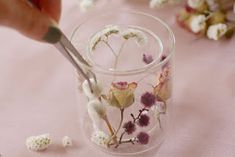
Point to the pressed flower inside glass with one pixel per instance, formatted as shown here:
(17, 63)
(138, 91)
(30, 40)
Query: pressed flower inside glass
(118, 44)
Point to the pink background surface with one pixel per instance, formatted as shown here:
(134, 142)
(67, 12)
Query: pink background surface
(38, 93)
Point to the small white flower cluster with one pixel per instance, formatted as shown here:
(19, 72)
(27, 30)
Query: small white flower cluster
(103, 35)
(216, 31)
(138, 35)
(161, 3)
(66, 141)
(38, 143)
(96, 87)
(197, 23)
(86, 5)
(100, 138)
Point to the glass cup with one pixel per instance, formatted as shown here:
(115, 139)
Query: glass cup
(131, 53)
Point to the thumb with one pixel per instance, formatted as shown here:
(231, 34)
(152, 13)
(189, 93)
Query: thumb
(29, 21)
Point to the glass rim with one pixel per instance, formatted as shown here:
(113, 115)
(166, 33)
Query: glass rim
(156, 63)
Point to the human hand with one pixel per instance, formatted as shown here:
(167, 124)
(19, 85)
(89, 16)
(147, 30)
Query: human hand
(39, 23)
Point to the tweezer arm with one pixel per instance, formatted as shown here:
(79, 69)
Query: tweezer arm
(72, 58)
(67, 44)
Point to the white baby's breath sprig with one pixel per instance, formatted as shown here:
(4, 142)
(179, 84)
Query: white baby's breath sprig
(139, 36)
(86, 5)
(96, 110)
(103, 35)
(197, 23)
(38, 143)
(216, 31)
(96, 86)
(100, 138)
(66, 141)
(110, 29)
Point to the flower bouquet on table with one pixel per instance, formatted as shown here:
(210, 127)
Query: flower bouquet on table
(207, 18)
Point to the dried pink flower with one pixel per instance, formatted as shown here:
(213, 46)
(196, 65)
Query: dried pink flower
(148, 99)
(143, 120)
(129, 127)
(121, 94)
(143, 138)
(147, 58)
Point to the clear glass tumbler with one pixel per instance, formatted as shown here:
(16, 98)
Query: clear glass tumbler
(131, 55)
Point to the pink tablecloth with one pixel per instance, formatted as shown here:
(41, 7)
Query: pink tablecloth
(38, 94)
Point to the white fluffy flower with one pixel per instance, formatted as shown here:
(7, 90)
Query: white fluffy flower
(100, 138)
(195, 3)
(197, 23)
(85, 5)
(138, 35)
(216, 31)
(38, 143)
(67, 141)
(96, 87)
(96, 110)
(104, 33)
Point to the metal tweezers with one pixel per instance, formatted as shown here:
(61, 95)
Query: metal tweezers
(70, 52)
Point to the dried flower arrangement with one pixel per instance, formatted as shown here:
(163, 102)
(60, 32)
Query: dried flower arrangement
(207, 17)
(121, 94)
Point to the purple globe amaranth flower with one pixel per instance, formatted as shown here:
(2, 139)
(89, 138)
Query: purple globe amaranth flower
(143, 120)
(163, 58)
(129, 127)
(148, 99)
(143, 138)
(147, 58)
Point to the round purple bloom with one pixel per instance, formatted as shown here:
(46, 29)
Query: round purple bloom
(163, 58)
(148, 99)
(147, 58)
(143, 120)
(129, 127)
(143, 138)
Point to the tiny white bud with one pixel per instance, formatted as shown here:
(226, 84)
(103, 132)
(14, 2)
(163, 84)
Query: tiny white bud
(66, 141)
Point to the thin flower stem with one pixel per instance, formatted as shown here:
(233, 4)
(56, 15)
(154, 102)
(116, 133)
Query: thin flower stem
(114, 136)
(110, 128)
(120, 139)
(130, 140)
(110, 47)
(118, 55)
(159, 121)
(140, 113)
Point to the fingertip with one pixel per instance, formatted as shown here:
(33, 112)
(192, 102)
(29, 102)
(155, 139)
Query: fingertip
(53, 35)
(52, 8)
